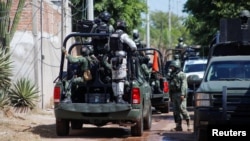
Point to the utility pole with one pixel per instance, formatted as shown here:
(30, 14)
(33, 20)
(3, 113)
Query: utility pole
(90, 6)
(148, 27)
(62, 21)
(169, 24)
(41, 49)
(34, 31)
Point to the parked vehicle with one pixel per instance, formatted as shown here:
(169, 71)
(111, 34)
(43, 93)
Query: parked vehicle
(194, 67)
(94, 102)
(223, 97)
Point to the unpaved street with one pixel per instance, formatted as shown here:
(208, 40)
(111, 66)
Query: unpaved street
(41, 127)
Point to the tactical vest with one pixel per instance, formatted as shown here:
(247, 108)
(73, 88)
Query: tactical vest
(100, 41)
(102, 28)
(115, 42)
(175, 84)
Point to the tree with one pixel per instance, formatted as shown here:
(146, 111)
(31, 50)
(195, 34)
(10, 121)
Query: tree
(204, 16)
(128, 10)
(8, 30)
(160, 35)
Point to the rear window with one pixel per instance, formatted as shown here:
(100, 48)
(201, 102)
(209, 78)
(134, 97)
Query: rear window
(194, 68)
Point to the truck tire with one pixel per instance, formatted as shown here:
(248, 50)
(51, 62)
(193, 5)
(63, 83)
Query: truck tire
(166, 108)
(76, 124)
(147, 121)
(62, 127)
(137, 129)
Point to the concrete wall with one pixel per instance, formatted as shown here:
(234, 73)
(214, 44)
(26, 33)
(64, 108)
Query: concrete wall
(37, 56)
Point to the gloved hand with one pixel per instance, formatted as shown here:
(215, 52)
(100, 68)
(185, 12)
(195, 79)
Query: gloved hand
(64, 50)
(182, 97)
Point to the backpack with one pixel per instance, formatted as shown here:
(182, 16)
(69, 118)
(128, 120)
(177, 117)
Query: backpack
(115, 42)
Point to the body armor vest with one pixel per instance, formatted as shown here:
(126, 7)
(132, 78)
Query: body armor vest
(115, 42)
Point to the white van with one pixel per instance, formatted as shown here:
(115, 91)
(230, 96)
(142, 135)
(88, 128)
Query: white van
(194, 67)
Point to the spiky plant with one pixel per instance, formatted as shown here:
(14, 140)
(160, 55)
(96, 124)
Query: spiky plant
(4, 99)
(5, 69)
(24, 94)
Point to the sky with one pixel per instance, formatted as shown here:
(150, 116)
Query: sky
(176, 6)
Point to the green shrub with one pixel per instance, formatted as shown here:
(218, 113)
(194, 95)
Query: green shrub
(4, 99)
(5, 69)
(24, 94)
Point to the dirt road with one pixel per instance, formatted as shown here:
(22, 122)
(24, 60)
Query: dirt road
(40, 126)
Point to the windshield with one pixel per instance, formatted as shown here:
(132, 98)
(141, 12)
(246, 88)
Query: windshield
(194, 68)
(229, 70)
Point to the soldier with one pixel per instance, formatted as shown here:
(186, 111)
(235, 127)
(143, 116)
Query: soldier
(181, 44)
(178, 94)
(101, 48)
(77, 78)
(144, 65)
(120, 44)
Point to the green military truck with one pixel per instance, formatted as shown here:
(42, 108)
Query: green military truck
(223, 97)
(94, 102)
(158, 80)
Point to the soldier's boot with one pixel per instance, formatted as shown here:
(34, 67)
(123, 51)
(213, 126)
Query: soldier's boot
(67, 99)
(188, 125)
(178, 127)
(120, 100)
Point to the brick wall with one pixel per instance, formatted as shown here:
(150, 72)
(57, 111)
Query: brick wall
(51, 18)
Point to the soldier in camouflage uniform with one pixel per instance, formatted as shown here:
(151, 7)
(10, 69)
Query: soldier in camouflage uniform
(84, 60)
(178, 93)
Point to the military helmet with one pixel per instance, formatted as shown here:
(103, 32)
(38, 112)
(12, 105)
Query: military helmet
(180, 39)
(121, 25)
(135, 34)
(85, 51)
(105, 16)
(176, 64)
(245, 13)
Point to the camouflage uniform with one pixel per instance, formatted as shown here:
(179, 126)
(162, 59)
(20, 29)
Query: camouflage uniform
(83, 60)
(178, 93)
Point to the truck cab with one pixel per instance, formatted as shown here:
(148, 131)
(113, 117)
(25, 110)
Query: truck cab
(223, 96)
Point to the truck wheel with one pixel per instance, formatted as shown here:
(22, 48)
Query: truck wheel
(137, 129)
(76, 124)
(147, 121)
(62, 127)
(201, 135)
(165, 109)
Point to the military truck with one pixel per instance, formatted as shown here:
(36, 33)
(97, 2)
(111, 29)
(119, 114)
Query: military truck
(94, 102)
(160, 92)
(223, 97)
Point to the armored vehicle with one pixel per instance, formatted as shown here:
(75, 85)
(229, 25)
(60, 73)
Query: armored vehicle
(94, 102)
(223, 97)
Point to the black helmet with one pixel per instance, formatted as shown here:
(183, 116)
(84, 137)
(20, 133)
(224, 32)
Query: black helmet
(135, 34)
(180, 39)
(121, 25)
(244, 13)
(85, 51)
(176, 64)
(105, 16)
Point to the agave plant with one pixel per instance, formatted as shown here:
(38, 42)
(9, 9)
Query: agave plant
(4, 99)
(5, 69)
(24, 94)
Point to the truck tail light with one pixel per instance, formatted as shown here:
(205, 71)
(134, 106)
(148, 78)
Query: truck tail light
(57, 93)
(165, 87)
(136, 97)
